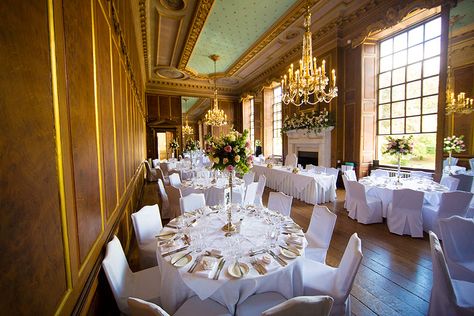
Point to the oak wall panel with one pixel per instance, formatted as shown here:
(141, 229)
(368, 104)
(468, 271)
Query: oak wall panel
(32, 256)
(118, 117)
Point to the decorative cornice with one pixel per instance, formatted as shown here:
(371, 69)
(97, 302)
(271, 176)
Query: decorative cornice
(202, 12)
(142, 5)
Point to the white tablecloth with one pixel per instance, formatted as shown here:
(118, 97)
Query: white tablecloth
(309, 187)
(383, 187)
(203, 185)
(178, 284)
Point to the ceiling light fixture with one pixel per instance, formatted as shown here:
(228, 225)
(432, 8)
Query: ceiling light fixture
(309, 79)
(215, 116)
(187, 130)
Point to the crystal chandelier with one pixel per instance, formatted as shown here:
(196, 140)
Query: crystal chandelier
(215, 116)
(187, 130)
(309, 79)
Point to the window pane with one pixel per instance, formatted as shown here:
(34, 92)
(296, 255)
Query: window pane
(414, 107)
(415, 53)
(384, 111)
(384, 127)
(398, 126)
(431, 67)
(386, 63)
(400, 42)
(433, 29)
(432, 48)
(413, 124)
(398, 75)
(430, 104)
(414, 89)
(415, 36)
(400, 59)
(384, 79)
(398, 92)
(398, 109)
(384, 95)
(414, 71)
(386, 47)
(429, 123)
(430, 85)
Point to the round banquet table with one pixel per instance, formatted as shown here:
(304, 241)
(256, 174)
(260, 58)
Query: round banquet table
(262, 231)
(383, 187)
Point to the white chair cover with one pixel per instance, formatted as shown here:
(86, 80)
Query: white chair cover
(335, 173)
(310, 167)
(262, 180)
(319, 169)
(279, 201)
(175, 180)
(421, 174)
(379, 173)
(147, 224)
(302, 306)
(250, 193)
(291, 160)
(156, 163)
(465, 182)
(249, 177)
(458, 235)
(124, 283)
(164, 168)
(160, 175)
(165, 203)
(451, 203)
(319, 233)
(404, 213)
(140, 307)
(150, 173)
(450, 182)
(351, 175)
(216, 196)
(454, 162)
(337, 281)
(471, 163)
(448, 296)
(346, 168)
(192, 202)
(174, 194)
(256, 304)
(365, 209)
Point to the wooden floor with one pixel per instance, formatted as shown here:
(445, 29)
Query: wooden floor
(395, 276)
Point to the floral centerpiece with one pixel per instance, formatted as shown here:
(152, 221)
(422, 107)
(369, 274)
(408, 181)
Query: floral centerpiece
(453, 144)
(313, 122)
(191, 145)
(231, 152)
(174, 145)
(399, 147)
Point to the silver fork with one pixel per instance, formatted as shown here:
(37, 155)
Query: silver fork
(196, 262)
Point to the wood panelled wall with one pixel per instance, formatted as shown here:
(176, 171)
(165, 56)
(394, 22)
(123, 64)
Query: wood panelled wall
(73, 139)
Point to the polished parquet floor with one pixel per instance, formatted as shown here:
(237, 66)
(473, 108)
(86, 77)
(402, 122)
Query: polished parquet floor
(395, 276)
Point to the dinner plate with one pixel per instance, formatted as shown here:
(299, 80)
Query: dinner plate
(181, 262)
(288, 254)
(234, 271)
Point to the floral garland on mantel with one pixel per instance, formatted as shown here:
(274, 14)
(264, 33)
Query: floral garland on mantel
(312, 122)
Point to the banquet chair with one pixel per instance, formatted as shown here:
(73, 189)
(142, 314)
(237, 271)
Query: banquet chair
(421, 174)
(319, 169)
(291, 160)
(249, 177)
(192, 306)
(450, 182)
(332, 172)
(164, 168)
(379, 173)
(346, 168)
(156, 163)
(471, 163)
(164, 201)
(150, 173)
(454, 162)
(347, 200)
(465, 182)
(216, 196)
(451, 203)
(174, 194)
(457, 234)
(364, 208)
(310, 167)
(319, 233)
(147, 224)
(351, 175)
(160, 175)
(404, 213)
(250, 194)
(262, 180)
(448, 296)
(274, 304)
(175, 180)
(279, 201)
(337, 281)
(192, 202)
(144, 284)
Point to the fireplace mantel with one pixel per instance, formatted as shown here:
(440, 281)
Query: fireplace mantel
(302, 140)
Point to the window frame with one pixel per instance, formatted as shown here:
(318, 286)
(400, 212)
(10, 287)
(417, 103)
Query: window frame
(276, 128)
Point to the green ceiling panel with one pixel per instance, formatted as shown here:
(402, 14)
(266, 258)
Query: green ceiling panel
(185, 106)
(465, 10)
(231, 28)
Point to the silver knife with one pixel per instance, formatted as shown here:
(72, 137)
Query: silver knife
(219, 268)
(196, 261)
(174, 251)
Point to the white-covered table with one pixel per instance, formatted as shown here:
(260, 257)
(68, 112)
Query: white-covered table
(257, 226)
(307, 186)
(205, 185)
(383, 187)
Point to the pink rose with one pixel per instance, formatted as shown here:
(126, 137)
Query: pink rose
(228, 148)
(247, 144)
(230, 168)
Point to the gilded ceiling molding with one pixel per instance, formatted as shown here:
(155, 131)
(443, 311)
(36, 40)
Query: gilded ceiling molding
(142, 5)
(202, 12)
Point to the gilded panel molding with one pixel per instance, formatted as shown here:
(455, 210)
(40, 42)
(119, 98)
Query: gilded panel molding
(142, 10)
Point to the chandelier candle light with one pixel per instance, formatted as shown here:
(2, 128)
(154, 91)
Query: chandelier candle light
(215, 116)
(309, 79)
(187, 130)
